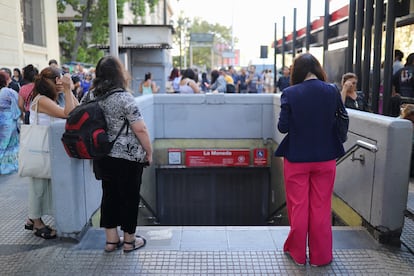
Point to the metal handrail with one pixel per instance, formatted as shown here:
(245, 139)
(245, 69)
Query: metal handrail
(354, 148)
(349, 152)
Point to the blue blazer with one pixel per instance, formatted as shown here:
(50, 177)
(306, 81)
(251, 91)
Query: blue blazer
(308, 117)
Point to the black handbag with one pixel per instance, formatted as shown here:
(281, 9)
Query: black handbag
(342, 121)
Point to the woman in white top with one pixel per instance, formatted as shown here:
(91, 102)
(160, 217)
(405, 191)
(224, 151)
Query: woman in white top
(47, 86)
(188, 84)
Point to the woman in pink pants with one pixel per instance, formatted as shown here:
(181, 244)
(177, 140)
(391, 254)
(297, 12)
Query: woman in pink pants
(310, 150)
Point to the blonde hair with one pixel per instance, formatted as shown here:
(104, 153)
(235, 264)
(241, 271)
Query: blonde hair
(407, 111)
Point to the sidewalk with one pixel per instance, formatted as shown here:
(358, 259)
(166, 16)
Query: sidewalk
(182, 250)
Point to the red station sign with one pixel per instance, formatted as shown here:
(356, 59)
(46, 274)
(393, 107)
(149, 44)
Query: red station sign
(217, 157)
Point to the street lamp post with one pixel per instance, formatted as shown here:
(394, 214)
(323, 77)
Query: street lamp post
(182, 28)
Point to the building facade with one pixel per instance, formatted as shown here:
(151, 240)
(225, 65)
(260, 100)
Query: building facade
(29, 33)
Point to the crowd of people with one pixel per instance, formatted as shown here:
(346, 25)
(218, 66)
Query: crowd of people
(40, 97)
(29, 96)
(223, 80)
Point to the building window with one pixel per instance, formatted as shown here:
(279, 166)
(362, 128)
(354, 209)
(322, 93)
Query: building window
(33, 22)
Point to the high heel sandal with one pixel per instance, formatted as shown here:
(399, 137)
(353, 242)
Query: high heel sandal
(134, 245)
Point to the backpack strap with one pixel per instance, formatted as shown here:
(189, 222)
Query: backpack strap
(106, 95)
(126, 124)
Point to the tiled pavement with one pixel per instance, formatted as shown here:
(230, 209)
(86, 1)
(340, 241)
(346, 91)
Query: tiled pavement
(184, 250)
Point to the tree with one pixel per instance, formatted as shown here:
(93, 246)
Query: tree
(202, 56)
(75, 44)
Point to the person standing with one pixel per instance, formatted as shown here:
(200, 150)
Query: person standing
(9, 135)
(269, 81)
(175, 78)
(122, 168)
(85, 83)
(44, 110)
(148, 86)
(309, 150)
(218, 83)
(241, 81)
(350, 96)
(10, 82)
(25, 95)
(284, 80)
(204, 82)
(397, 65)
(403, 79)
(17, 76)
(188, 82)
(253, 80)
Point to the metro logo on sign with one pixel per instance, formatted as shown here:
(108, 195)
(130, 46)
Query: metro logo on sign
(260, 157)
(217, 157)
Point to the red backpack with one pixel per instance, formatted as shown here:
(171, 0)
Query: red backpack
(85, 135)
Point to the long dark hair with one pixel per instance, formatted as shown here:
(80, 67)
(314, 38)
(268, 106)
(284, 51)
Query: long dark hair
(30, 72)
(214, 75)
(174, 74)
(303, 65)
(110, 74)
(45, 83)
(147, 76)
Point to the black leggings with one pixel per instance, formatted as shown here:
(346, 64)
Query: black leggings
(120, 198)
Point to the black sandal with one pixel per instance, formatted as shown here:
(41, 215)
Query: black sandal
(134, 245)
(118, 245)
(45, 233)
(29, 226)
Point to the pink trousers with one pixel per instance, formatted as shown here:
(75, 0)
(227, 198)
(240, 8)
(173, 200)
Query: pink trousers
(309, 188)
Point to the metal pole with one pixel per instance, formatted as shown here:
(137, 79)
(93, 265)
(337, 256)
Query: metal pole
(294, 34)
(308, 26)
(165, 12)
(181, 48)
(326, 20)
(191, 56)
(283, 42)
(351, 36)
(389, 55)
(274, 57)
(369, 10)
(358, 44)
(113, 28)
(376, 74)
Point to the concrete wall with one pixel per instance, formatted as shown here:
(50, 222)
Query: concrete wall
(376, 189)
(156, 61)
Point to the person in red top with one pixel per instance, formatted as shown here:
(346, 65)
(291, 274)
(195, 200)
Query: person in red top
(29, 74)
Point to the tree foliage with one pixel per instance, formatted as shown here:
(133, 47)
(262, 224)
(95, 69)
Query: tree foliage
(202, 55)
(78, 43)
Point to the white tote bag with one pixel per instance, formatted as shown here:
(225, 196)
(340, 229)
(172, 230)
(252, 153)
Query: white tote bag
(34, 154)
